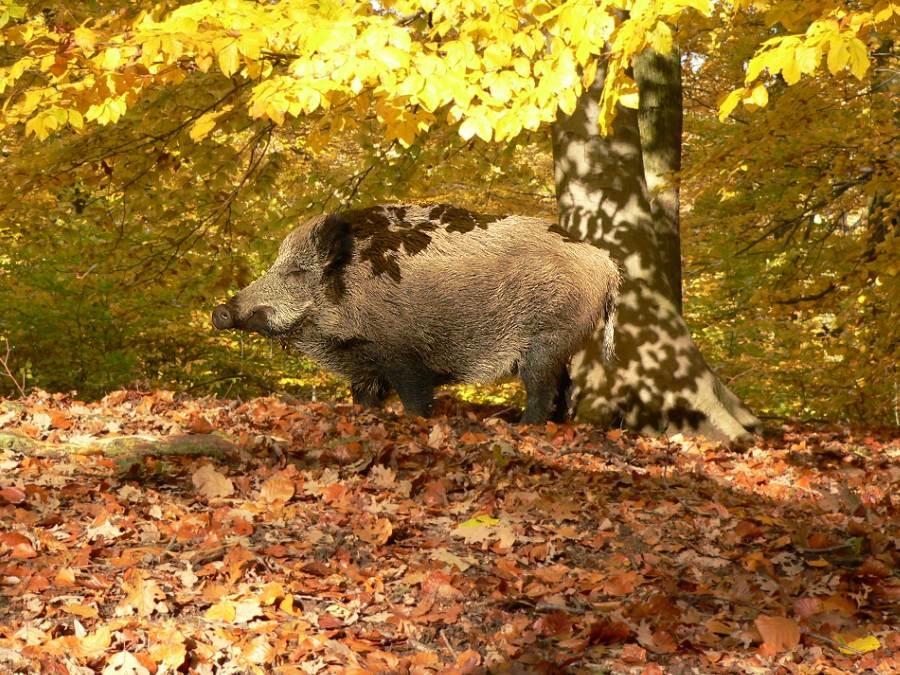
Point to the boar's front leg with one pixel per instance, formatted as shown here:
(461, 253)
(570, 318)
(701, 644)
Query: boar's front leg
(415, 385)
(369, 393)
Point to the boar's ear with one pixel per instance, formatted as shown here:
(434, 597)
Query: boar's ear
(333, 239)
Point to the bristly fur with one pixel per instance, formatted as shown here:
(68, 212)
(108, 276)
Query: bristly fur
(409, 296)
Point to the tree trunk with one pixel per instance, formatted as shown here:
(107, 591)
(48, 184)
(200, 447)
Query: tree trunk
(658, 77)
(658, 381)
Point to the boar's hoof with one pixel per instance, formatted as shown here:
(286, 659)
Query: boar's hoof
(221, 317)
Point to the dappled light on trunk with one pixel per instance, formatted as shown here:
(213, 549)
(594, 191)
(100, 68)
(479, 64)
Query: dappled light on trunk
(659, 380)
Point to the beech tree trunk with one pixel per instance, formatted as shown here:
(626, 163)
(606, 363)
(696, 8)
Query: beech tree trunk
(658, 381)
(658, 77)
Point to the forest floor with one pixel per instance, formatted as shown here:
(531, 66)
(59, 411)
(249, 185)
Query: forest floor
(152, 533)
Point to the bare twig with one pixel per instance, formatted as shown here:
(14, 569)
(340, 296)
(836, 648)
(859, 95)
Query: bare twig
(4, 361)
(449, 646)
(835, 643)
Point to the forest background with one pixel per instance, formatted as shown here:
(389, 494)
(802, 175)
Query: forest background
(125, 218)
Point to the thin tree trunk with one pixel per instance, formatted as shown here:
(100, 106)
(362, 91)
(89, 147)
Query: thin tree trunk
(658, 77)
(659, 381)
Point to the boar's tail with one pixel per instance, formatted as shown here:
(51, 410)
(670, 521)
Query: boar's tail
(610, 311)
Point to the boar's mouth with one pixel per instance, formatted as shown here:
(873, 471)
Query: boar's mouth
(258, 320)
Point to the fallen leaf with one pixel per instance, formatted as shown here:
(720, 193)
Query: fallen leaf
(20, 545)
(778, 632)
(440, 432)
(212, 484)
(468, 661)
(451, 559)
(277, 490)
(84, 611)
(483, 529)
(632, 653)
(124, 663)
(622, 583)
(224, 610)
(12, 495)
(200, 425)
(865, 644)
(142, 595)
(376, 533)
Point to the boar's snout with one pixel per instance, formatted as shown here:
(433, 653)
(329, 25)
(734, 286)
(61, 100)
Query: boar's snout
(258, 320)
(222, 317)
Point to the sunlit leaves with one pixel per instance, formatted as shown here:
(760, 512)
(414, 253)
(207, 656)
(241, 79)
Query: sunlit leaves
(838, 41)
(201, 128)
(528, 60)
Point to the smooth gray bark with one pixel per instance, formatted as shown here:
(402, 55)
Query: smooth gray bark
(659, 381)
(658, 77)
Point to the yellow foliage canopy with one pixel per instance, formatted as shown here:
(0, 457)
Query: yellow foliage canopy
(495, 68)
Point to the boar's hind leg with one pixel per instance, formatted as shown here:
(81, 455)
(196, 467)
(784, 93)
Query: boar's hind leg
(546, 380)
(563, 397)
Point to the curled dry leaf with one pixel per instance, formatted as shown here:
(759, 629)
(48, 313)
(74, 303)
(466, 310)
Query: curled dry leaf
(19, 545)
(12, 495)
(200, 425)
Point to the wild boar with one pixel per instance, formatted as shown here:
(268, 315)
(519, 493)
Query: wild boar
(410, 297)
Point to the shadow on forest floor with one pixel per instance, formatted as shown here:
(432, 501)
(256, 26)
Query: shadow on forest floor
(217, 536)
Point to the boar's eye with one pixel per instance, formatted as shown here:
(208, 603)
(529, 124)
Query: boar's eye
(297, 270)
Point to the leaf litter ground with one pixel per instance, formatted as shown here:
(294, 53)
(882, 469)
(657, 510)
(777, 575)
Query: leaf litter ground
(152, 533)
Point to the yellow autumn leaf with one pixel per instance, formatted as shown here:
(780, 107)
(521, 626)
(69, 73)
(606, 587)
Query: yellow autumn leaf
(837, 55)
(85, 38)
(507, 127)
(884, 11)
(497, 56)
(790, 69)
(76, 121)
(35, 126)
(660, 38)
(111, 59)
(759, 96)
(229, 59)
(861, 645)
(807, 58)
(727, 106)
(480, 520)
(224, 610)
(567, 101)
(475, 126)
(251, 44)
(859, 57)
(201, 128)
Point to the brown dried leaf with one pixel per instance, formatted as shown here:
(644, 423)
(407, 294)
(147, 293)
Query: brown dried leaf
(212, 484)
(84, 611)
(277, 490)
(376, 533)
(143, 595)
(12, 495)
(779, 633)
(19, 544)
